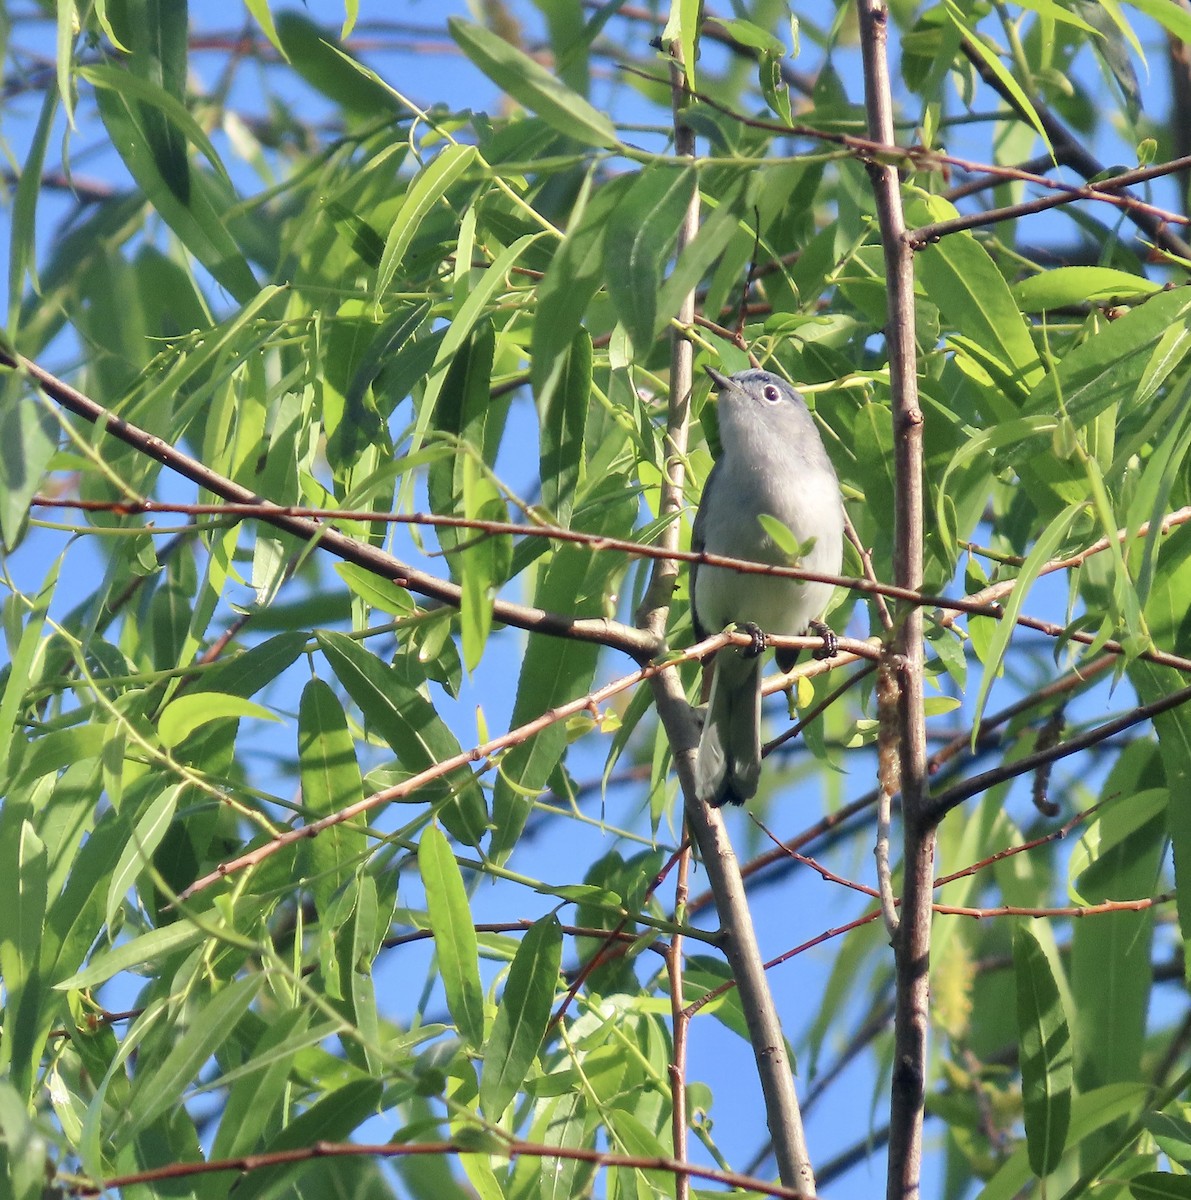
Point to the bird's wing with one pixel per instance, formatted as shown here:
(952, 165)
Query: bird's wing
(697, 543)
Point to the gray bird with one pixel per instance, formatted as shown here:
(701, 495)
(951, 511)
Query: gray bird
(773, 462)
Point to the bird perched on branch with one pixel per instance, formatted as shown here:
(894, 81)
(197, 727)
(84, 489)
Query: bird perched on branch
(772, 462)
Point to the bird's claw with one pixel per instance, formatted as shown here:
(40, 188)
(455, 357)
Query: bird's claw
(757, 639)
(830, 643)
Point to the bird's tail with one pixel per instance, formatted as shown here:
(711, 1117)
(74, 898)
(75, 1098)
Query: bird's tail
(728, 764)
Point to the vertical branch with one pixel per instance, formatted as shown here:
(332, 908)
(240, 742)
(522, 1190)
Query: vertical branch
(912, 941)
(682, 1021)
(738, 937)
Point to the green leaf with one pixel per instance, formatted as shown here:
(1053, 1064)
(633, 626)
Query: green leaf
(426, 191)
(155, 33)
(483, 563)
(1114, 823)
(145, 836)
(332, 1118)
(532, 85)
(554, 671)
(1042, 552)
(22, 244)
(574, 276)
(23, 899)
(973, 298)
(258, 1087)
(148, 947)
(462, 411)
(29, 435)
(152, 97)
(262, 15)
(998, 68)
(407, 721)
(1046, 1055)
(331, 782)
(21, 660)
(1063, 286)
(158, 1091)
(23, 1149)
(642, 230)
(562, 405)
(181, 717)
(318, 57)
(1127, 360)
(200, 221)
(522, 1018)
(376, 592)
(1160, 1185)
(1089, 1114)
(454, 936)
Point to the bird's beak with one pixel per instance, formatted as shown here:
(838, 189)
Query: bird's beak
(718, 378)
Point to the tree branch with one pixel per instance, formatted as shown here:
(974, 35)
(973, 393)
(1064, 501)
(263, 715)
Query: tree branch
(912, 943)
(640, 645)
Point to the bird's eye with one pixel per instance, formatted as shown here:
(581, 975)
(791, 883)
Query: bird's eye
(771, 393)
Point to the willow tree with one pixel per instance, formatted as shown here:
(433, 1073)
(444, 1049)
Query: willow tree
(351, 441)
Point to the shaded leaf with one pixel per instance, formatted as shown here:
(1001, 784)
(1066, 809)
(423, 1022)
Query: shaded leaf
(522, 1017)
(454, 935)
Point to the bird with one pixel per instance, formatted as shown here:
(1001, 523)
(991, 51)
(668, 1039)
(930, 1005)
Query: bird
(773, 462)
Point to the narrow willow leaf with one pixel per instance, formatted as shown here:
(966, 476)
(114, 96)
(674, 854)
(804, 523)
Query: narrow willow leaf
(65, 56)
(1041, 553)
(155, 33)
(1090, 1113)
(424, 193)
(574, 276)
(1149, 342)
(149, 947)
(259, 1085)
(554, 671)
(1064, 286)
(1160, 1185)
(153, 96)
(962, 279)
(362, 993)
(1115, 822)
(32, 624)
(563, 403)
(157, 1091)
(181, 717)
(23, 899)
(522, 1016)
(1047, 1071)
(200, 221)
(24, 1147)
(993, 62)
(334, 1117)
(461, 412)
(642, 230)
(454, 936)
(144, 838)
(23, 240)
(483, 562)
(407, 721)
(331, 781)
(29, 435)
(530, 84)
(699, 256)
(316, 54)
(262, 15)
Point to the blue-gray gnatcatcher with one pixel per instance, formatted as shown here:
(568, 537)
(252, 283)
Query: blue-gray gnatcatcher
(772, 462)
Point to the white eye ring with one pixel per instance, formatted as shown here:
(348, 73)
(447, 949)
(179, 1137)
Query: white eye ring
(771, 393)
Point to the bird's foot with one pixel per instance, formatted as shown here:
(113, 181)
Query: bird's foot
(757, 639)
(830, 643)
